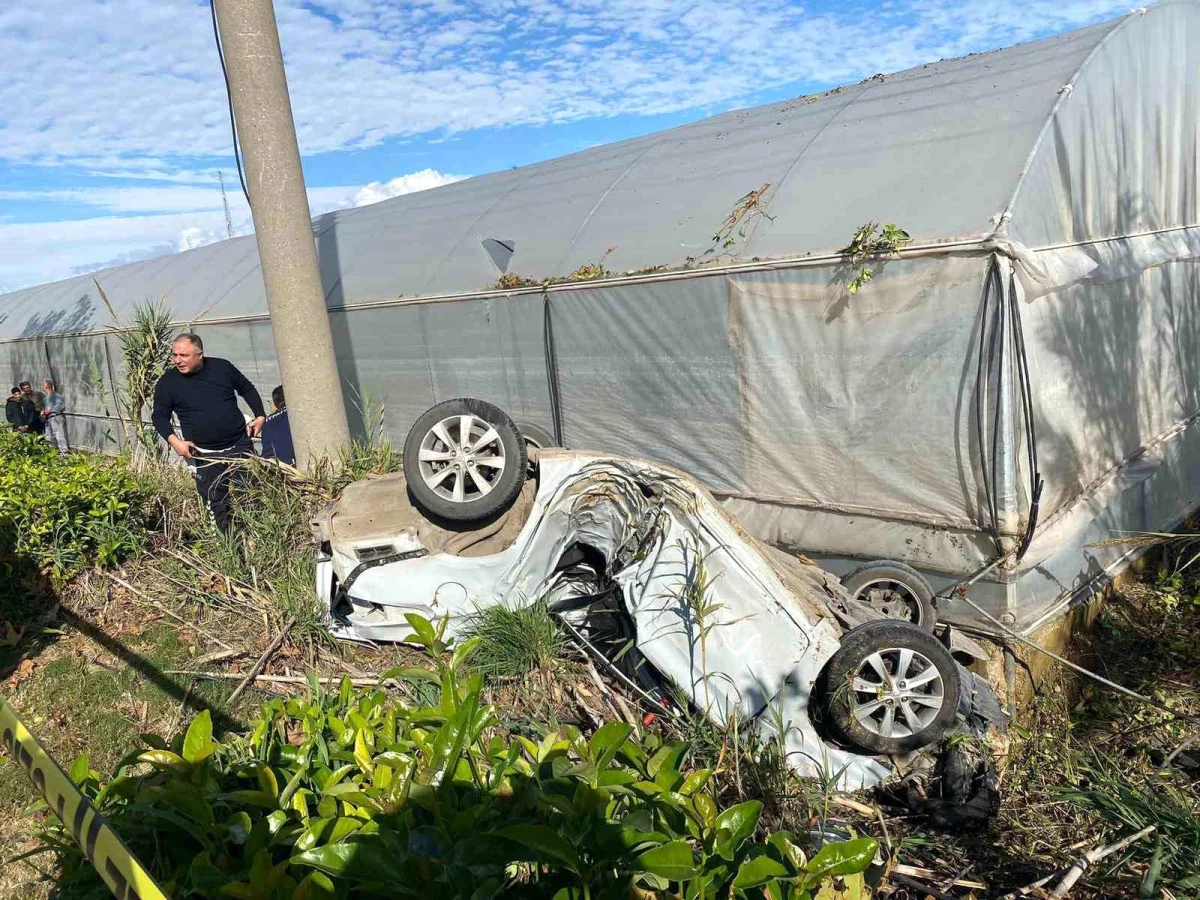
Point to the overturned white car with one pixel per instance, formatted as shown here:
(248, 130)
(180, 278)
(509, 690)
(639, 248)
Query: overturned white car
(741, 629)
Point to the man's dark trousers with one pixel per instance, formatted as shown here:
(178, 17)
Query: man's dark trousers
(213, 478)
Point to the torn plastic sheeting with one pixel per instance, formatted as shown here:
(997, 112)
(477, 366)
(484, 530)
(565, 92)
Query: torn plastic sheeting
(739, 643)
(1045, 271)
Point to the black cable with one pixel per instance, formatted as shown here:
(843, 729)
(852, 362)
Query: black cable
(1000, 334)
(237, 156)
(1036, 483)
(983, 380)
(551, 369)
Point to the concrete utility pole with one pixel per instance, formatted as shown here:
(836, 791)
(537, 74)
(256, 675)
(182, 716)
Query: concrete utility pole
(283, 228)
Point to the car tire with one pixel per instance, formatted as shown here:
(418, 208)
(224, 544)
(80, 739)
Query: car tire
(536, 436)
(895, 591)
(474, 485)
(910, 704)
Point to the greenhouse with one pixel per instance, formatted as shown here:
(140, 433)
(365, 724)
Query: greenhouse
(1010, 379)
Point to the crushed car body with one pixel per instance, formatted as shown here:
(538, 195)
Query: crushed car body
(743, 631)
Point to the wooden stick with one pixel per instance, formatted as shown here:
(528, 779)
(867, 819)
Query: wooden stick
(153, 602)
(217, 657)
(262, 660)
(1178, 750)
(591, 714)
(607, 695)
(919, 872)
(276, 679)
(854, 806)
(1093, 856)
(925, 889)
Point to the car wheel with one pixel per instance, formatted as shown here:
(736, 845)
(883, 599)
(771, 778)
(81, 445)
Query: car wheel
(895, 591)
(465, 461)
(536, 437)
(891, 688)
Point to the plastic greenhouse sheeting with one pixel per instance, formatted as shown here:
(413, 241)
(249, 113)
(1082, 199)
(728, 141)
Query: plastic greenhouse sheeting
(1051, 192)
(938, 148)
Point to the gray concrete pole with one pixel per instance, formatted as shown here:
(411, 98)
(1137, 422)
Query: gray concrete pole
(283, 227)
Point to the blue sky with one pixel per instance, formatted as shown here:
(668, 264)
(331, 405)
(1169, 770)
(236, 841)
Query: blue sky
(113, 121)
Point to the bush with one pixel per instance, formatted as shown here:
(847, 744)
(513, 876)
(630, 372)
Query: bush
(353, 794)
(66, 513)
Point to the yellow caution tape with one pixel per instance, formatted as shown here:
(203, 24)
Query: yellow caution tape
(124, 875)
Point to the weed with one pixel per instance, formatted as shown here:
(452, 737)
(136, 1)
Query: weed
(701, 609)
(510, 281)
(361, 459)
(745, 210)
(592, 271)
(1131, 802)
(515, 638)
(869, 242)
(1085, 764)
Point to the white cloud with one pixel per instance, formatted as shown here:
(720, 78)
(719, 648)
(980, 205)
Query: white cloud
(172, 219)
(135, 85)
(402, 184)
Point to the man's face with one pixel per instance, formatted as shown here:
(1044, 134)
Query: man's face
(15, 395)
(186, 357)
(27, 390)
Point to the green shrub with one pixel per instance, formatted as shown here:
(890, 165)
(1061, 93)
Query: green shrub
(66, 513)
(351, 793)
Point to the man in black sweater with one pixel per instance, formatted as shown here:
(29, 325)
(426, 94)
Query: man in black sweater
(202, 393)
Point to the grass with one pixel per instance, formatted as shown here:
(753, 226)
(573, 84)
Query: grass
(85, 698)
(516, 639)
(1084, 764)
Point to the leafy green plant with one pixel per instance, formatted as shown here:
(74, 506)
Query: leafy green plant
(517, 638)
(66, 513)
(352, 793)
(872, 242)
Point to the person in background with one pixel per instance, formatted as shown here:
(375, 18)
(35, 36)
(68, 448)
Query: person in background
(38, 399)
(19, 412)
(277, 433)
(53, 408)
(202, 394)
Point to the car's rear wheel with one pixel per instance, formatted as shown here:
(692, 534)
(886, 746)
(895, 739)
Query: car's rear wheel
(536, 436)
(895, 591)
(891, 688)
(465, 461)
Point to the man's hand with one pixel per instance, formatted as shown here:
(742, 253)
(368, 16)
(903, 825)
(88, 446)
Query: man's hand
(22, 428)
(185, 449)
(253, 429)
